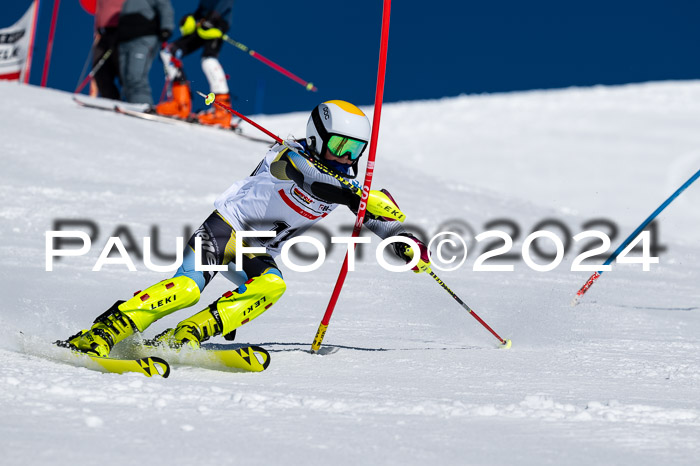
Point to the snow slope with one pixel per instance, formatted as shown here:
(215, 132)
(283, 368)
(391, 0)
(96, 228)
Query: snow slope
(413, 379)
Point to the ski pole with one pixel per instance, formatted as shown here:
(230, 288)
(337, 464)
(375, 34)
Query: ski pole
(211, 99)
(94, 71)
(87, 59)
(309, 86)
(504, 343)
(164, 91)
(626, 242)
(378, 98)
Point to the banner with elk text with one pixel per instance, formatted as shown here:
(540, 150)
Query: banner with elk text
(16, 44)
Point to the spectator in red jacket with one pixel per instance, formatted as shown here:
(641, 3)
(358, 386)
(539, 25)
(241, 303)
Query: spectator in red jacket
(106, 21)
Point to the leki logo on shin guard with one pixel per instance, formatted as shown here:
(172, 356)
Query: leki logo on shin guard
(163, 302)
(255, 305)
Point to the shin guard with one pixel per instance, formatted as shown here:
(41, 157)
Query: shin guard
(249, 301)
(229, 312)
(159, 300)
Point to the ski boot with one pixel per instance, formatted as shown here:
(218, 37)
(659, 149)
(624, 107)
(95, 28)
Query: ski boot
(181, 104)
(108, 329)
(215, 115)
(191, 332)
(227, 313)
(125, 318)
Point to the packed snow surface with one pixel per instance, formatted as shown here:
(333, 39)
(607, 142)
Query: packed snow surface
(408, 376)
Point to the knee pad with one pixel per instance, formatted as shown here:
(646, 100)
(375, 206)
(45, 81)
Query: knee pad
(251, 299)
(159, 300)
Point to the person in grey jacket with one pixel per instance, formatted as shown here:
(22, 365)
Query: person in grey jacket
(143, 24)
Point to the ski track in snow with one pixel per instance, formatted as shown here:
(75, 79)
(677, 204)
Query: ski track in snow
(411, 377)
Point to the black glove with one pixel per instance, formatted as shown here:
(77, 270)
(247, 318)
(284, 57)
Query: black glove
(165, 34)
(214, 20)
(208, 30)
(406, 253)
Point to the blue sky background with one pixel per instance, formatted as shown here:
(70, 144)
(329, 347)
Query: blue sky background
(436, 49)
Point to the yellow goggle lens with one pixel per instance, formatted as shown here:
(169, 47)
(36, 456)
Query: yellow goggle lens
(341, 146)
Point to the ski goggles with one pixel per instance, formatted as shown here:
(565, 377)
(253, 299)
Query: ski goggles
(340, 146)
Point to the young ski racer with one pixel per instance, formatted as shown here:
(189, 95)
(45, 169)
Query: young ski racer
(288, 192)
(205, 29)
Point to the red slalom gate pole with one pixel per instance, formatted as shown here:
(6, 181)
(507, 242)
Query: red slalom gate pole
(49, 45)
(30, 53)
(378, 99)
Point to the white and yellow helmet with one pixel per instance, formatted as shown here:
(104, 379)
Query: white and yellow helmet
(339, 127)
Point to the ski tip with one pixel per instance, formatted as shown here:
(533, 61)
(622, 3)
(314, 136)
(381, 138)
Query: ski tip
(161, 365)
(506, 344)
(262, 353)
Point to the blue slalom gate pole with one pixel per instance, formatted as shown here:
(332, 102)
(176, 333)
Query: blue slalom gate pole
(631, 237)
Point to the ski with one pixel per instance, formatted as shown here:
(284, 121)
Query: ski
(246, 358)
(148, 366)
(85, 104)
(106, 104)
(174, 120)
(141, 111)
(60, 352)
(155, 117)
